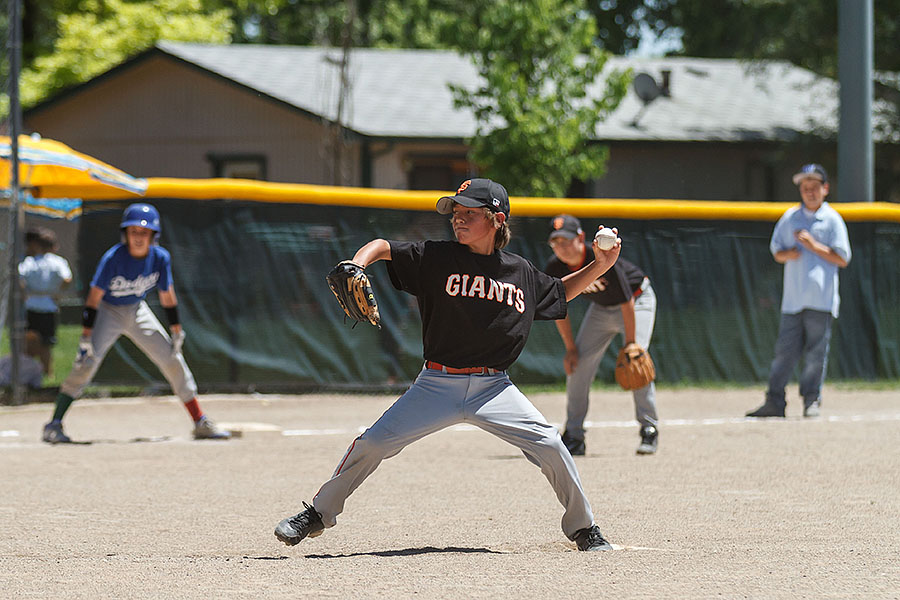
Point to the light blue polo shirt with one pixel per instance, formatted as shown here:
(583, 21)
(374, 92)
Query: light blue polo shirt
(811, 282)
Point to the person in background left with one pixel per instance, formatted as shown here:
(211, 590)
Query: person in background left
(115, 306)
(44, 275)
(31, 373)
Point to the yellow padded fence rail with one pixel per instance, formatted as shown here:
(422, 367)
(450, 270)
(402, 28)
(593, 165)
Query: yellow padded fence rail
(655, 209)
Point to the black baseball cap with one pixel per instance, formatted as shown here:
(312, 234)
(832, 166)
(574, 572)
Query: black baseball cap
(565, 226)
(473, 193)
(810, 171)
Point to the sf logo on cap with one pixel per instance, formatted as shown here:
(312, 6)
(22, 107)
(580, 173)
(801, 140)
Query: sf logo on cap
(558, 223)
(464, 185)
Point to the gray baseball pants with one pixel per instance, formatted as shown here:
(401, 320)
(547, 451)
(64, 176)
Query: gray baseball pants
(437, 400)
(138, 323)
(601, 324)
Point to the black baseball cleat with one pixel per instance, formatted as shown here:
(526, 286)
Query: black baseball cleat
(305, 524)
(590, 539)
(53, 434)
(649, 440)
(767, 410)
(574, 445)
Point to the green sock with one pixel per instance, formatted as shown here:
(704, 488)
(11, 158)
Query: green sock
(63, 402)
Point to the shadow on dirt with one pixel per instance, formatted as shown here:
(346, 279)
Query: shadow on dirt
(410, 552)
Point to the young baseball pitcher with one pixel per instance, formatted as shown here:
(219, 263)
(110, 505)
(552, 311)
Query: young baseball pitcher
(477, 304)
(115, 306)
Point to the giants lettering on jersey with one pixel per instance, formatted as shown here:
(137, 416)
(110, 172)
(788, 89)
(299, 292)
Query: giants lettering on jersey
(478, 286)
(119, 286)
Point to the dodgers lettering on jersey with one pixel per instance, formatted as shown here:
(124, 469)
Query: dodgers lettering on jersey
(476, 310)
(126, 280)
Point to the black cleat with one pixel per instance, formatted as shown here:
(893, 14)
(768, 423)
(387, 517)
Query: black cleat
(649, 440)
(53, 434)
(767, 410)
(590, 539)
(574, 445)
(305, 524)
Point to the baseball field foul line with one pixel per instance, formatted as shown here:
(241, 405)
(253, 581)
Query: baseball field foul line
(632, 423)
(268, 427)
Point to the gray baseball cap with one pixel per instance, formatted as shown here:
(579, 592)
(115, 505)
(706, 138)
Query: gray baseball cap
(810, 171)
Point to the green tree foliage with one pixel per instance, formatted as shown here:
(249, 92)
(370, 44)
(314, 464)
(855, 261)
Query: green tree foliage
(39, 29)
(369, 23)
(804, 33)
(103, 33)
(535, 120)
(622, 23)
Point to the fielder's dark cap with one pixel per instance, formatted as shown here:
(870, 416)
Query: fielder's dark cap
(473, 193)
(565, 226)
(811, 171)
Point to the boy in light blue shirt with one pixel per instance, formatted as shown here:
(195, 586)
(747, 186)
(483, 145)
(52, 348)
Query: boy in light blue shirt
(812, 243)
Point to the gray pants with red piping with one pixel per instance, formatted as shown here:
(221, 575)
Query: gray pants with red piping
(138, 323)
(438, 400)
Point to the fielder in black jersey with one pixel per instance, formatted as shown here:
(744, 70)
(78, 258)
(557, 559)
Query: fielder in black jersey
(477, 304)
(622, 301)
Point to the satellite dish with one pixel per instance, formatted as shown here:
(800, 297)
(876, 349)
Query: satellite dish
(646, 88)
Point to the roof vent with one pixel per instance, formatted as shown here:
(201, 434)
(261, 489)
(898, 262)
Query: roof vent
(666, 82)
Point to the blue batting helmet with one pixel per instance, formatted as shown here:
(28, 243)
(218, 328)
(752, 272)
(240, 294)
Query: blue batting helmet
(140, 215)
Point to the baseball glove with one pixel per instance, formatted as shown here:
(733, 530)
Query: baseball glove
(634, 367)
(353, 290)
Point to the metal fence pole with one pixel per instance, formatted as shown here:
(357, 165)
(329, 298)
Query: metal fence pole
(17, 214)
(855, 176)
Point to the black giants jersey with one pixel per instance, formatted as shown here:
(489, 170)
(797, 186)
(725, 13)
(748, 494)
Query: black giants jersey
(614, 287)
(476, 310)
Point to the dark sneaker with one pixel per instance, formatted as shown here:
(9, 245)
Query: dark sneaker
(205, 429)
(812, 408)
(306, 524)
(767, 410)
(53, 434)
(649, 440)
(574, 445)
(590, 539)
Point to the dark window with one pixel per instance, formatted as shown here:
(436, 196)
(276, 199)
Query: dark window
(437, 173)
(577, 189)
(238, 166)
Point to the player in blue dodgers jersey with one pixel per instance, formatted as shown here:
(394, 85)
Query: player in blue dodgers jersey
(811, 241)
(115, 306)
(622, 301)
(477, 303)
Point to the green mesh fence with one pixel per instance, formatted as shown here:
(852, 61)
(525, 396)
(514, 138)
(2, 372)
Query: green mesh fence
(253, 298)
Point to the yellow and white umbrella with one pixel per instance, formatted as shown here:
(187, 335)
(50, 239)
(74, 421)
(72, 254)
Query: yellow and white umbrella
(50, 169)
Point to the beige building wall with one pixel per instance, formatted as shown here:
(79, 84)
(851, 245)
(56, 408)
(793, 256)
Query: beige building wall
(163, 119)
(698, 171)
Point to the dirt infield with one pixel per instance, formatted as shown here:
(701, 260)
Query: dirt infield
(729, 507)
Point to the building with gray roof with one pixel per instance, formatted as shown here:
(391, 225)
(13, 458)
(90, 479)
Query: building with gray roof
(718, 129)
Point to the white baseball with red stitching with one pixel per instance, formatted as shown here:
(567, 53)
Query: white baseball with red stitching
(606, 238)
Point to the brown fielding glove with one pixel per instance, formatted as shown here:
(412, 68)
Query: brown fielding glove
(353, 291)
(634, 367)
